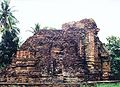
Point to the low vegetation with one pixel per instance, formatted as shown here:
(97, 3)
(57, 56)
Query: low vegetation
(116, 84)
(113, 46)
(108, 85)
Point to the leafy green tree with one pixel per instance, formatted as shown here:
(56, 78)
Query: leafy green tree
(10, 31)
(113, 45)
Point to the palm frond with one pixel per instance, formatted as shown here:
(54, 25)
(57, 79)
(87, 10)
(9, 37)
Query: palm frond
(30, 31)
(17, 29)
(10, 23)
(1, 11)
(2, 6)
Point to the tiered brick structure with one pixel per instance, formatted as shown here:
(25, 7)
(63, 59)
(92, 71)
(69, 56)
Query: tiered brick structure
(72, 54)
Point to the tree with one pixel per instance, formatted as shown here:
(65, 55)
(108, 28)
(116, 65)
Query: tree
(35, 29)
(9, 30)
(113, 45)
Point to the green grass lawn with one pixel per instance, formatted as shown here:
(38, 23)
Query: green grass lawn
(102, 85)
(108, 85)
(116, 84)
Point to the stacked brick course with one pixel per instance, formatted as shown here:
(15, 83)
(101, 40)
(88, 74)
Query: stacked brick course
(72, 54)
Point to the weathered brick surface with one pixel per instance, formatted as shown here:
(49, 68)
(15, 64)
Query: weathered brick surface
(72, 54)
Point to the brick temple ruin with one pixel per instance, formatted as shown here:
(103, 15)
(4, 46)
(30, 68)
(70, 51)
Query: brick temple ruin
(71, 54)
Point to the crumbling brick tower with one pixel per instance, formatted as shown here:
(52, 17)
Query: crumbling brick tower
(72, 54)
(92, 51)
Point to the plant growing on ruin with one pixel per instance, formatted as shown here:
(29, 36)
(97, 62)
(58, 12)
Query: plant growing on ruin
(10, 31)
(35, 29)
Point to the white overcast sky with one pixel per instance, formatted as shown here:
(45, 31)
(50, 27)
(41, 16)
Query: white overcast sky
(54, 13)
